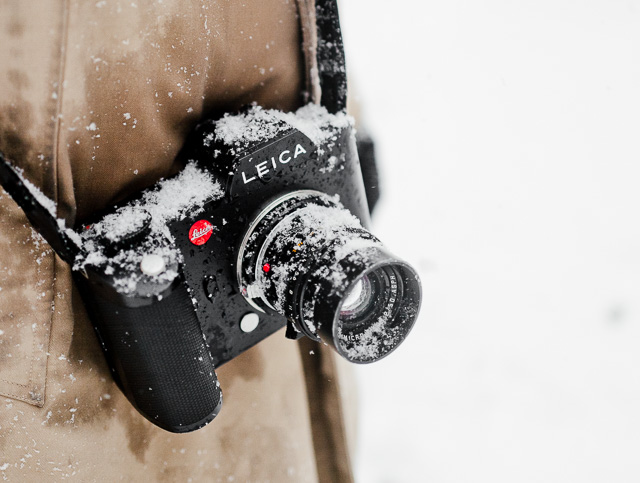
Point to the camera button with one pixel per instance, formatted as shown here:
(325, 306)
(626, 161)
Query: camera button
(249, 322)
(152, 265)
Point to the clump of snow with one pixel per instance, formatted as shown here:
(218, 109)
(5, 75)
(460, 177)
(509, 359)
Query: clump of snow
(352, 245)
(118, 225)
(45, 201)
(73, 236)
(372, 343)
(256, 125)
(316, 122)
(305, 232)
(331, 164)
(259, 124)
(171, 199)
(183, 195)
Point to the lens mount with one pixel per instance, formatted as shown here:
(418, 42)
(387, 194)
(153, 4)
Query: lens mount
(251, 267)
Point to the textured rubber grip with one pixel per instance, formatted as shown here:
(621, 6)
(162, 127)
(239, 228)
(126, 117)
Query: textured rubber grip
(159, 358)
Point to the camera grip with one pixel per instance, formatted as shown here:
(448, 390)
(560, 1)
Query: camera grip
(158, 357)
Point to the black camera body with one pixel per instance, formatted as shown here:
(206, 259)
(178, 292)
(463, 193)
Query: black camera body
(265, 227)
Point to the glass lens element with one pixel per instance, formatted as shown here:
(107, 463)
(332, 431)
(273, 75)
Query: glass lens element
(356, 299)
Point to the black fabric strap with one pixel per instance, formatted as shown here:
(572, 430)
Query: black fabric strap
(44, 221)
(330, 55)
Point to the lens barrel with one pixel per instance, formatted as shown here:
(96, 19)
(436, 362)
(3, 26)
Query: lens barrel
(308, 258)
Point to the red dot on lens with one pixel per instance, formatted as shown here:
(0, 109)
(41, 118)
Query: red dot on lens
(266, 267)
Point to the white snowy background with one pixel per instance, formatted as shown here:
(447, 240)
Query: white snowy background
(508, 135)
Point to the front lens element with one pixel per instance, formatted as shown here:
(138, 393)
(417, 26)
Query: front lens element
(357, 299)
(383, 322)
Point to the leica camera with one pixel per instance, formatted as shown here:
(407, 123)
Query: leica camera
(265, 227)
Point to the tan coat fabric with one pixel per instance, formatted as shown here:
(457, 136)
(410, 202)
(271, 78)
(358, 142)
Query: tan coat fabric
(95, 101)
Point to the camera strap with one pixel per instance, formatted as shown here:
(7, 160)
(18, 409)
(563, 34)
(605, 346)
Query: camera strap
(330, 56)
(34, 204)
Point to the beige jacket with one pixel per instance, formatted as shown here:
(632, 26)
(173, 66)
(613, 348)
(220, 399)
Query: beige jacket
(96, 98)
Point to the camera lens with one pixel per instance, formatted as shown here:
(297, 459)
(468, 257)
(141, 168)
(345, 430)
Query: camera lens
(373, 324)
(309, 259)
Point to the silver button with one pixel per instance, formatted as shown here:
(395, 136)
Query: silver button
(152, 265)
(249, 322)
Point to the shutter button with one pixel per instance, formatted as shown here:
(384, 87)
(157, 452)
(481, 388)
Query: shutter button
(152, 265)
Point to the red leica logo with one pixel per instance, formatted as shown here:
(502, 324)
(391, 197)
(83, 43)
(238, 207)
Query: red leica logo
(200, 232)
